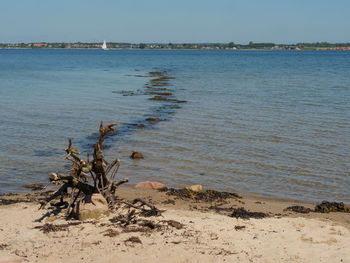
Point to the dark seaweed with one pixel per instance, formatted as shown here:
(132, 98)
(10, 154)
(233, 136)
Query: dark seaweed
(110, 232)
(133, 240)
(206, 196)
(298, 209)
(175, 224)
(47, 228)
(326, 207)
(244, 214)
(239, 227)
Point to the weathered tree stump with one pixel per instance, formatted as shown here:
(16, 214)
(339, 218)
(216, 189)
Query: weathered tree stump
(78, 179)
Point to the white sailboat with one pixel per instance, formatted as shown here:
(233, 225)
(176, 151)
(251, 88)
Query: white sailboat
(104, 45)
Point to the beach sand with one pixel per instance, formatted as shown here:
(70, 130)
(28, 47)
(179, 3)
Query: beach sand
(200, 232)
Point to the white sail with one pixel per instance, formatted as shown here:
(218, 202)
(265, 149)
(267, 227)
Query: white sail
(104, 45)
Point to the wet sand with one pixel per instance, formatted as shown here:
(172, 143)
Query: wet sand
(188, 231)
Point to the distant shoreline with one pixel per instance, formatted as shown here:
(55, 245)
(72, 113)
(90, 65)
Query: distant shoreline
(165, 49)
(179, 46)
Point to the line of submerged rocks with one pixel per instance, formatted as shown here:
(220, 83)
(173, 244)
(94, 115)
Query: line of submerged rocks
(159, 89)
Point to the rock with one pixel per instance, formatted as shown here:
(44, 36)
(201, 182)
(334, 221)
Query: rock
(152, 119)
(136, 155)
(155, 73)
(164, 93)
(151, 185)
(195, 188)
(94, 208)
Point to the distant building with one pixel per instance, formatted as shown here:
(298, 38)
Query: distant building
(39, 45)
(342, 48)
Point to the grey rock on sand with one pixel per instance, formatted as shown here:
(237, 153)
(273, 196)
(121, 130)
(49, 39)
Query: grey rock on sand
(91, 209)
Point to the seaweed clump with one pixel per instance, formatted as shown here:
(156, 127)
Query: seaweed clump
(9, 199)
(3, 246)
(298, 209)
(206, 196)
(133, 239)
(244, 214)
(326, 207)
(47, 228)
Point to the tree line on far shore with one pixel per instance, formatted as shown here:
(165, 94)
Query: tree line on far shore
(230, 45)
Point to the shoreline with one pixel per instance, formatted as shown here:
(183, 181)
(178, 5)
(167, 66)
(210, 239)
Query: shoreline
(250, 196)
(165, 49)
(256, 196)
(189, 230)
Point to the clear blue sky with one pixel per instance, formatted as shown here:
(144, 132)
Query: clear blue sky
(176, 21)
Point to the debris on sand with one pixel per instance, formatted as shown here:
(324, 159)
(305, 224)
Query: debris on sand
(47, 228)
(133, 240)
(298, 209)
(124, 220)
(239, 228)
(326, 207)
(5, 201)
(169, 202)
(110, 233)
(151, 225)
(206, 196)
(244, 214)
(134, 228)
(3, 246)
(220, 209)
(175, 224)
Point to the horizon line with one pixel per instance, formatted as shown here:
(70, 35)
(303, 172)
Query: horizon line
(173, 43)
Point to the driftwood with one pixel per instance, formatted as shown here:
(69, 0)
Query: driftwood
(78, 179)
(152, 211)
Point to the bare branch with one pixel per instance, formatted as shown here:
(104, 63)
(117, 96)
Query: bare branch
(111, 165)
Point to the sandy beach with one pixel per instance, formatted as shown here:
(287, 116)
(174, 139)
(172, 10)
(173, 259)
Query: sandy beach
(187, 231)
(174, 131)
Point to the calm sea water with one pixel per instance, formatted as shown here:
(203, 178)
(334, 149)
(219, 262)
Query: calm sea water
(266, 123)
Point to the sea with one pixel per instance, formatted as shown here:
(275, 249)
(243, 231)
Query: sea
(259, 123)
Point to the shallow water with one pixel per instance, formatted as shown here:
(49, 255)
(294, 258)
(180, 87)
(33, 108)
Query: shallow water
(267, 123)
